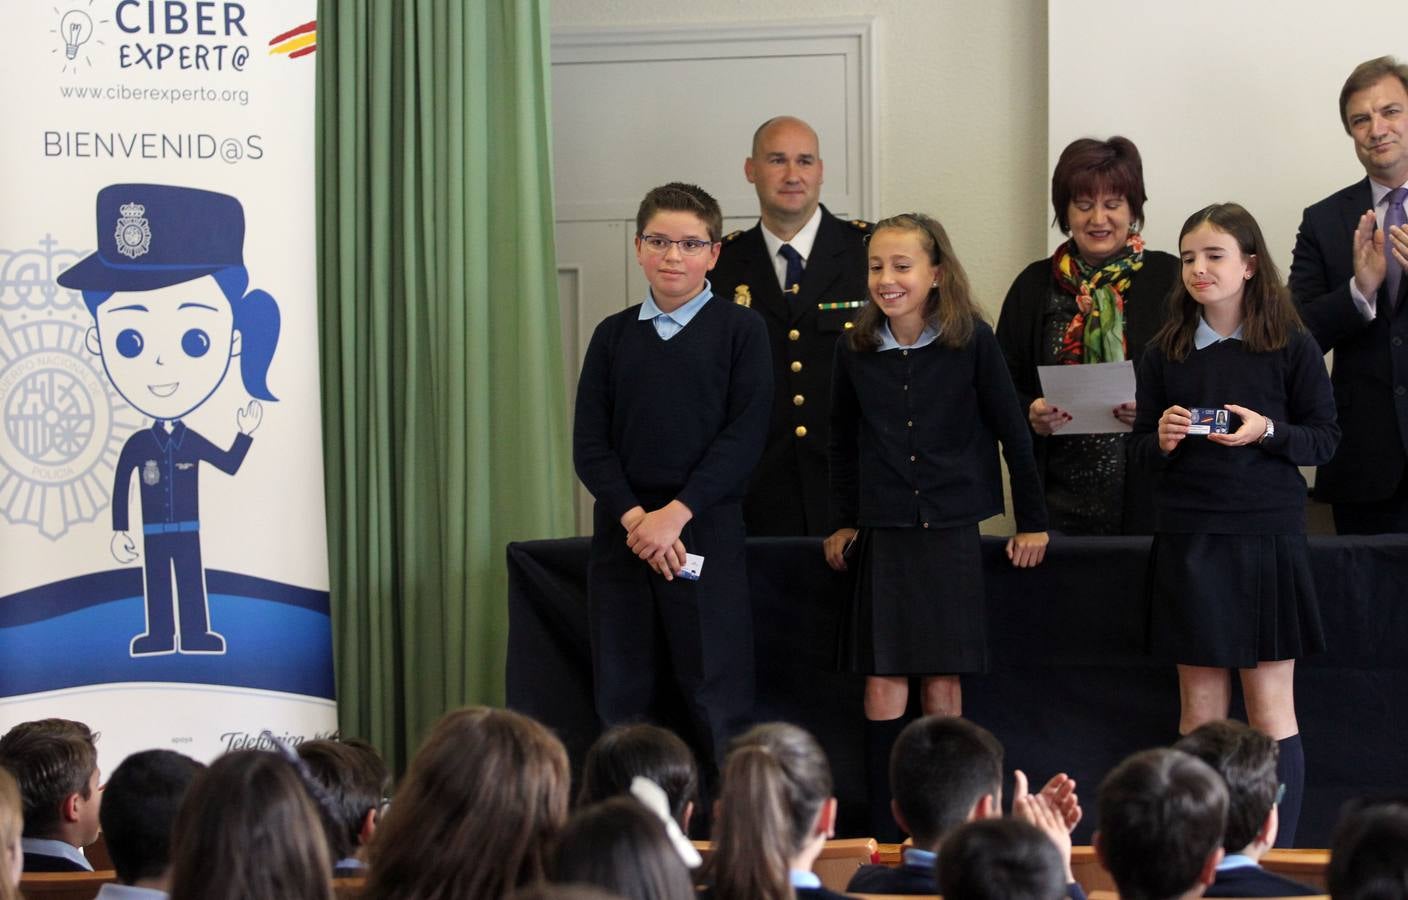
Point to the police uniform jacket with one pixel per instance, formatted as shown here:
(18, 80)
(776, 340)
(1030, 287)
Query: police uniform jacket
(788, 493)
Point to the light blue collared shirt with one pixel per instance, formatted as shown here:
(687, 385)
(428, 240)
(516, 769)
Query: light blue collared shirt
(888, 342)
(667, 325)
(1205, 337)
(915, 858)
(802, 879)
(114, 891)
(1235, 861)
(50, 847)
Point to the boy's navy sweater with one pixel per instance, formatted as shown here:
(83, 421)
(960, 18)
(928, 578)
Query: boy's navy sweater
(680, 419)
(914, 437)
(1204, 487)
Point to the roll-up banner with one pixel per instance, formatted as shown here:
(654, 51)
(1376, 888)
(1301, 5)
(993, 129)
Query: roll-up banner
(163, 556)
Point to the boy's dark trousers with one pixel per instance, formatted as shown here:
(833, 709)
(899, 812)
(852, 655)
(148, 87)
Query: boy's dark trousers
(647, 632)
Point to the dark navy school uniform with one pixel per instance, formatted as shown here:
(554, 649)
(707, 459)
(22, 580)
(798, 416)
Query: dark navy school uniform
(1229, 573)
(168, 471)
(914, 434)
(656, 420)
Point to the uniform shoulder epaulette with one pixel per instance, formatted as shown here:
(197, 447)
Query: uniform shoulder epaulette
(860, 225)
(731, 236)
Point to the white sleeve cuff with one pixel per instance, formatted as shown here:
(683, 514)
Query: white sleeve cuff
(1367, 308)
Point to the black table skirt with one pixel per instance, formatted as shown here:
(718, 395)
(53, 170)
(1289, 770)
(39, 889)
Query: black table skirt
(1069, 688)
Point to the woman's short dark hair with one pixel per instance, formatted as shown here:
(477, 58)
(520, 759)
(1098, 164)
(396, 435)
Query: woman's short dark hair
(650, 751)
(1087, 167)
(482, 801)
(1369, 853)
(623, 847)
(1000, 859)
(248, 827)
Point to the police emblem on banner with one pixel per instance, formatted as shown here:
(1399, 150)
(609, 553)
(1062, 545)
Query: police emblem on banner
(150, 473)
(134, 234)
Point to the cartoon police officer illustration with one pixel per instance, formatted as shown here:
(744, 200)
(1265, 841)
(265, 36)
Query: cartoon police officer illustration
(168, 292)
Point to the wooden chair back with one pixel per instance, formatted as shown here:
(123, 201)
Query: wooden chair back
(1306, 866)
(349, 888)
(64, 885)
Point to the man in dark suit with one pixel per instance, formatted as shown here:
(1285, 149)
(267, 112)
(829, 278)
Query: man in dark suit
(1347, 279)
(804, 270)
(55, 764)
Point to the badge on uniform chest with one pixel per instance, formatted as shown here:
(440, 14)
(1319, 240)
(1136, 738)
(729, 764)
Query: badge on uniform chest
(150, 473)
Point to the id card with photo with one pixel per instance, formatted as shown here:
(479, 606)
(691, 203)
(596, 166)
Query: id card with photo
(1208, 420)
(693, 567)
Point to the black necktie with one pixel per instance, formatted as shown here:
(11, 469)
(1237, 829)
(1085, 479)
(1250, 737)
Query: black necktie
(794, 268)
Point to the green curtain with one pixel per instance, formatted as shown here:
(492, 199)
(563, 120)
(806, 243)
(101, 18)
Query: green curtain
(443, 397)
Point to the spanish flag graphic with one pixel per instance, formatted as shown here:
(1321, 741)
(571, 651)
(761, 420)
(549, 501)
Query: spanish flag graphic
(296, 42)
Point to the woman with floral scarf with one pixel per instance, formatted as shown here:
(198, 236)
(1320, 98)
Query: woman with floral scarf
(1099, 298)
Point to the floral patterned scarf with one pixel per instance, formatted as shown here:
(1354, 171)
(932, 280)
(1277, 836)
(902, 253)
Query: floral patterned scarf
(1096, 334)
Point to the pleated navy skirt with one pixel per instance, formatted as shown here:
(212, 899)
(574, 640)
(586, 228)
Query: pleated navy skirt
(919, 603)
(1232, 600)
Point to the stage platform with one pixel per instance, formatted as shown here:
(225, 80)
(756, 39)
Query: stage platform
(1069, 688)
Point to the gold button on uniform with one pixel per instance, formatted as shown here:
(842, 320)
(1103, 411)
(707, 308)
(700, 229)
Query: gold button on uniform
(794, 335)
(801, 431)
(850, 325)
(798, 399)
(796, 366)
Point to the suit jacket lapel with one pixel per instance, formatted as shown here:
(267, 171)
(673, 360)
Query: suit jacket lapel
(823, 266)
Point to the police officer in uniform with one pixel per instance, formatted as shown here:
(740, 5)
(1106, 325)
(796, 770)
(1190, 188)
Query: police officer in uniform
(804, 270)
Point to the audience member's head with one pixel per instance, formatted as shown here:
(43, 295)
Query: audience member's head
(1369, 853)
(140, 803)
(55, 764)
(621, 846)
(249, 827)
(1246, 760)
(944, 770)
(11, 828)
(484, 798)
(1000, 859)
(650, 751)
(357, 784)
(1162, 814)
(546, 890)
(775, 812)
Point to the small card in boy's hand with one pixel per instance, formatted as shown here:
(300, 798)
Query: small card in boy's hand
(1208, 420)
(693, 567)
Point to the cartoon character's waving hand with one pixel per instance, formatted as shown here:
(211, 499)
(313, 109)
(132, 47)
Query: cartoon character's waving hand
(167, 288)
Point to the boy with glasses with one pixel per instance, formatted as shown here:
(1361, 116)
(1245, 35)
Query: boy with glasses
(672, 411)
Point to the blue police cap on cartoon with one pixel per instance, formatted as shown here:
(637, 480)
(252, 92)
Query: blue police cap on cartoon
(154, 235)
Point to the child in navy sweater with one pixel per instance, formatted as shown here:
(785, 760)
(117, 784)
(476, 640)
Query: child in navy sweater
(920, 398)
(672, 411)
(1230, 584)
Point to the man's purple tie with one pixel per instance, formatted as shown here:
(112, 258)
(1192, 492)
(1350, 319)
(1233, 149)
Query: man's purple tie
(1394, 215)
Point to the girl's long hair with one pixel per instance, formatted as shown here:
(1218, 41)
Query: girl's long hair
(1269, 318)
(248, 827)
(481, 804)
(11, 827)
(776, 780)
(621, 846)
(949, 308)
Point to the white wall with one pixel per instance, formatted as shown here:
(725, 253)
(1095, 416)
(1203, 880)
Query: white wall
(1226, 100)
(962, 99)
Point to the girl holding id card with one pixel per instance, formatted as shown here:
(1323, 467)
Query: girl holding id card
(1230, 584)
(920, 397)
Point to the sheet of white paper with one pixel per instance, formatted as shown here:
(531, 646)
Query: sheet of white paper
(1090, 394)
